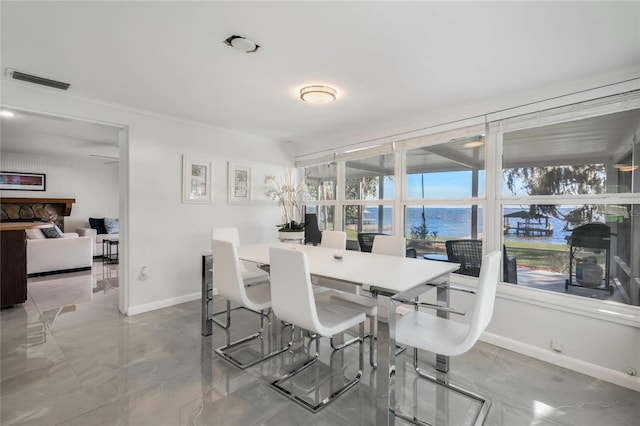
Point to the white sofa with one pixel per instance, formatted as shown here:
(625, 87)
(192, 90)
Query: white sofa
(96, 238)
(50, 255)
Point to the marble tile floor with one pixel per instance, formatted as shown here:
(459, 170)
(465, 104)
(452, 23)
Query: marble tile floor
(69, 358)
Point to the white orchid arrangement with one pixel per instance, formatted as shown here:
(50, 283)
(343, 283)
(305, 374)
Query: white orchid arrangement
(288, 193)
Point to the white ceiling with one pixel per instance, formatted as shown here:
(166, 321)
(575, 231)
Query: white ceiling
(391, 62)
(36, 134)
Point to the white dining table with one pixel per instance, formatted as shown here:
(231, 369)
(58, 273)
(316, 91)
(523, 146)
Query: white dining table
(379, 275)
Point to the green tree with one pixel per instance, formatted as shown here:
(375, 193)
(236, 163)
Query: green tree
(356, 189)
(422, 232)
(559, 180)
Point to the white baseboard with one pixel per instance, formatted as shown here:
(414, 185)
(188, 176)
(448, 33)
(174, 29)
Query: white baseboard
(608, 375)
(139, 309)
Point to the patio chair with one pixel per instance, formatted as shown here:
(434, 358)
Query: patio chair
(312, 234)
(365, 239)
(468, 253)
(509, 267)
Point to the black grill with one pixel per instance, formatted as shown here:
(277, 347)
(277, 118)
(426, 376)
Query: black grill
(592, 235)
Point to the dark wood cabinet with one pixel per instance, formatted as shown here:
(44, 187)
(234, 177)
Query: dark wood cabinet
(13, 261)
(13, 273)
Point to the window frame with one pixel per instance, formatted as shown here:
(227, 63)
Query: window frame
(495, 125)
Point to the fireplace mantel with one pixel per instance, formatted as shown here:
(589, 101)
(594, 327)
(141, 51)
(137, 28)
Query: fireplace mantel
(35, 209)
(68, 202)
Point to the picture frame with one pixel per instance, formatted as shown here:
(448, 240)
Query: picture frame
(197, 180)
(18, 181)
(239, 184)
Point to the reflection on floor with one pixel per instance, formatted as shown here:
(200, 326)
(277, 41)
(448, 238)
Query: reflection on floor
(69, 358)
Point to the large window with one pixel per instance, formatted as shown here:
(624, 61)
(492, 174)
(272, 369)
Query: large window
(455, 171)
(370, 178)
(376, 218)
(322, 182)
(557, 191)
(567, 213)
(427, 228)
(449, 170)
(369, 191)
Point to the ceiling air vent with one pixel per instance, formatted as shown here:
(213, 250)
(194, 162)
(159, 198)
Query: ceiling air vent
(17, 75)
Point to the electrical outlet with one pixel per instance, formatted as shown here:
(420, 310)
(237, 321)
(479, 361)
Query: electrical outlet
(144, 273)
(556, 345)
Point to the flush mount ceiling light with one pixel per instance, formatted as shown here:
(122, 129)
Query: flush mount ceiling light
(474, 144)
(318, 94)
(625, 167)
(242, 43)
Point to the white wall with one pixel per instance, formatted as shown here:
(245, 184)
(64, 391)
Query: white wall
(168, 236)
(94, 185)
(157, 229)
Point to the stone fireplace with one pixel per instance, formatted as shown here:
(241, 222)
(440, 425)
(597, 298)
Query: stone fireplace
(36, 209)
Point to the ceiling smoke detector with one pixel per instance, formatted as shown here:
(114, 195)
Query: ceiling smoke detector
(242, 43)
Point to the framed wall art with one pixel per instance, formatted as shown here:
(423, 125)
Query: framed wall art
(239, 184)
(23, 181)
(197, 180)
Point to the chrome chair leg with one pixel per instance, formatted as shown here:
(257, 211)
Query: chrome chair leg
(228, 315)
(372, 347)
(277, 384)
(225, 351)
(441, 379)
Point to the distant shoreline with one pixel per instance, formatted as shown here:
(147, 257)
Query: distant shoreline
(454, 223)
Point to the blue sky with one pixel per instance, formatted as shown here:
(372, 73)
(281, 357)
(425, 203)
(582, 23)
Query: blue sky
(443, 185)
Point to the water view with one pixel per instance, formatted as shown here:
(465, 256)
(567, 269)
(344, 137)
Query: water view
(455, 222)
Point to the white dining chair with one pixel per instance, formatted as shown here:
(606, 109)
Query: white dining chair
(294, 302)
(228, 279)
(382, 244)
(334, 239)
(392, 246)
(424, 331)
(249, 276)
